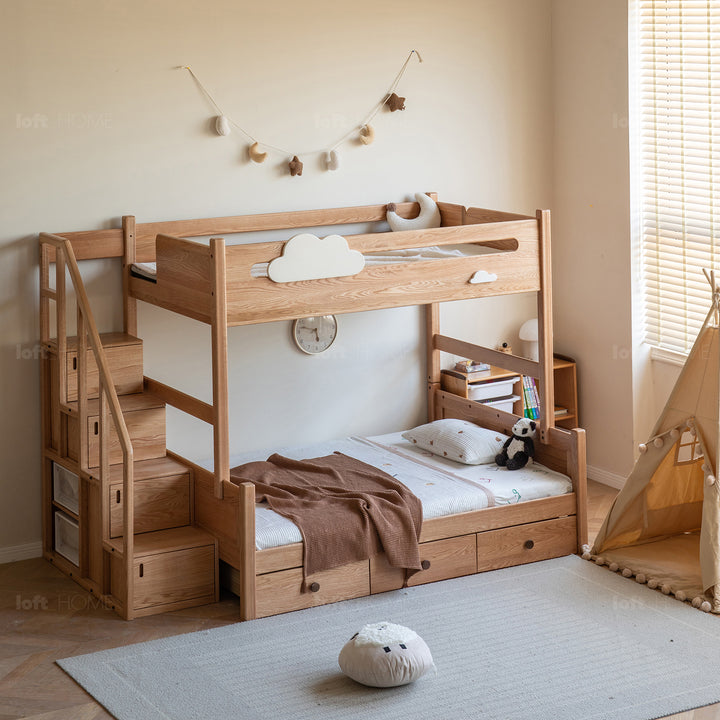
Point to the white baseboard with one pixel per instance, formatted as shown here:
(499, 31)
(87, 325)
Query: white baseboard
(20, 552)
(605, 477)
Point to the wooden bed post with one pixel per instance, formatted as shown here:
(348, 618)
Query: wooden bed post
(432, 324)
(129, 303)
(221, 419)
(248, 609)
(545, 326)
(578, 460)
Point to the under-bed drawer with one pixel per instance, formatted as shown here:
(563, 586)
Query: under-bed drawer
(442, 560)
(526, 543)
(280, 592)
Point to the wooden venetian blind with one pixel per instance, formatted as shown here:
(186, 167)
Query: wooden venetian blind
(678, 94)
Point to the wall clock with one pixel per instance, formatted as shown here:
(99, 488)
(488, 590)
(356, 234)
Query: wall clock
(314, 334)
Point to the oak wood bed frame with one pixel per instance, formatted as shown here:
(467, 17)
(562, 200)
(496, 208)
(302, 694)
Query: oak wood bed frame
(212, 283)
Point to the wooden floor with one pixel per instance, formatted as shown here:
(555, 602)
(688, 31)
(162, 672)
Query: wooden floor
(44, 616)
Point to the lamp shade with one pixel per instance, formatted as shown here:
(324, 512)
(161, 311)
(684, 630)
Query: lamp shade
(529, 330)
(529, 336)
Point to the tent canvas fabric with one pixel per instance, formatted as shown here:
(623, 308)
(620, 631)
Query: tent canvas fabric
(664, 526)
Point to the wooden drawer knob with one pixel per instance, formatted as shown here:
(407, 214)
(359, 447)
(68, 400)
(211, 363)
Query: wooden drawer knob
(425, 564)
(529, 544)
(314, 587)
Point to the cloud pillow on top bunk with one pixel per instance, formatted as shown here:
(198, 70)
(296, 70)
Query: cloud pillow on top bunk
(458, 440)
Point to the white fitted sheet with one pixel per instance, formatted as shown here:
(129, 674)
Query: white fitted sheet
(148, 270)
(443, 486)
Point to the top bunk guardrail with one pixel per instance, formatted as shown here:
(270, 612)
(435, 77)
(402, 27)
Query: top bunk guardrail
(189, 273)
(506, 257)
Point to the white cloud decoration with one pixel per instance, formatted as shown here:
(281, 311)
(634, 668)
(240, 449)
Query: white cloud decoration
(308, 257)
(483, 276)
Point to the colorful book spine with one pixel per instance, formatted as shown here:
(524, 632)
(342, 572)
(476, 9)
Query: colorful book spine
(536, 398)
(527, 400)
(530, 395)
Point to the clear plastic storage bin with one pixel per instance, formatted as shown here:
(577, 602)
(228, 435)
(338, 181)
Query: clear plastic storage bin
(67, 537)
(66, 486)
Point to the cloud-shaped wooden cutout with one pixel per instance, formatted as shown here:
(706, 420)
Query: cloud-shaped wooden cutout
(308, 257)
(483, 276)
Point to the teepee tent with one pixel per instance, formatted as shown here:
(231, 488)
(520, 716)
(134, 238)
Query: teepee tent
(664, 526)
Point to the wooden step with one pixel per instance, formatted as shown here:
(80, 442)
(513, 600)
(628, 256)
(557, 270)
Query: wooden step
(163, 541)
(158, 467)
(162, 495)
(125, 359)
(145, 418)
(128, 403)
(171, 569)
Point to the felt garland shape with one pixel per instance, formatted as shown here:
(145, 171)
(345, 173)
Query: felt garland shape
(222, 125)
(255, 154)
(395, 102)
(332, 160)
(367, 134)
(363, 131)
(296, 167)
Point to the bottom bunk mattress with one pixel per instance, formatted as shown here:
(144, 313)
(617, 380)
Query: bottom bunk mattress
(444, 487)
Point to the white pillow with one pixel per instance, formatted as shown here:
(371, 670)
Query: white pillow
(385, 655)
(458, 440)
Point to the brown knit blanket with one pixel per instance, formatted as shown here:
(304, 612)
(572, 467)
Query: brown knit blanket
(346, 510)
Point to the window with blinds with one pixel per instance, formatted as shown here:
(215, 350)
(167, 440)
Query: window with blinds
(677, 85)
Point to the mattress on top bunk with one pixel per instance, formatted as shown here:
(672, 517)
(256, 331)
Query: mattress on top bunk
(443, 486)
(148, 270)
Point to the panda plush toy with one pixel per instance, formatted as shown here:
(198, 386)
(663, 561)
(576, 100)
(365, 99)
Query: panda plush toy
(519, 448)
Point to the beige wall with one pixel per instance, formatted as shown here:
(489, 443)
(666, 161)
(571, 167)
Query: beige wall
(96, 122)
(591, 222)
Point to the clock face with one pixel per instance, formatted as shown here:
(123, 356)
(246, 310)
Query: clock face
(315, 334)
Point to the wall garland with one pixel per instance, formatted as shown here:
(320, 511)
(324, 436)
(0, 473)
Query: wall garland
(364, 132)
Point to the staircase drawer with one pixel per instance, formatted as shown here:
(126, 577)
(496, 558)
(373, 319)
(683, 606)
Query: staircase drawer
(526, 543)
(125, 359)
(171, 577)
(280, 592)
(442, 559)
(160, 503)
(147, 434)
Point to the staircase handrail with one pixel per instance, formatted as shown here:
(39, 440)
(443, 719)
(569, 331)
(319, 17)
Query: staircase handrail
(107, 387)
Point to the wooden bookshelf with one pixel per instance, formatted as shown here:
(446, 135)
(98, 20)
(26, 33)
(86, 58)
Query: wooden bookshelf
(495, 383)
(565, 379)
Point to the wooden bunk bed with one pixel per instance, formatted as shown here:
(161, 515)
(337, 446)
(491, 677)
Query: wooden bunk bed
(214, 283)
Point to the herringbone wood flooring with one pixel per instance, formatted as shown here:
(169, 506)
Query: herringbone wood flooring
(45, 615)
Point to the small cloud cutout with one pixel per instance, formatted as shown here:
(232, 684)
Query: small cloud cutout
(483, 276)
(308, 257)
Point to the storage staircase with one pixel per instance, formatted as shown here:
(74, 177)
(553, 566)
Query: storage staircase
(103, 442)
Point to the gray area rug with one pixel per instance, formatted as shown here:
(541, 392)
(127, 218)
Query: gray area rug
(561, 640)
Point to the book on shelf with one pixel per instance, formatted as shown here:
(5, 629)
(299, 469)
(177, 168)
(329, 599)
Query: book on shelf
(530, 397)
(468, 365)
(561, 411)
(472, 369)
